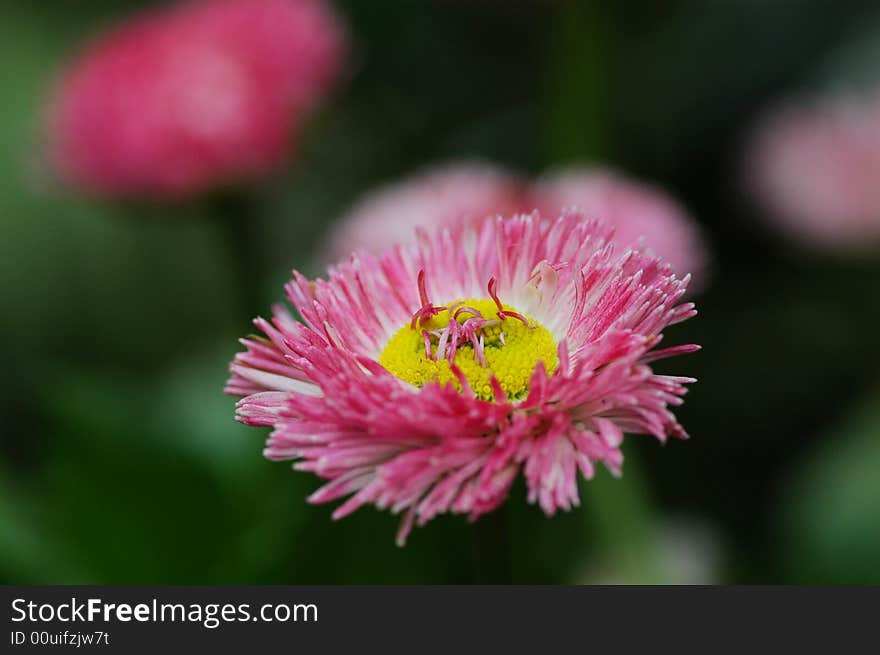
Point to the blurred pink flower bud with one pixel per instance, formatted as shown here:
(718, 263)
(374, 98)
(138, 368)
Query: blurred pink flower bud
(446, 195)
(635, 210)
(815, 170)
(182, 99)
(458, 192)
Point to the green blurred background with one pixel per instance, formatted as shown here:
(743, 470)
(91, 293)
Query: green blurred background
(119, 458)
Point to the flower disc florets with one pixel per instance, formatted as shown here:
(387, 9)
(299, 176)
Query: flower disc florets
(494, 348)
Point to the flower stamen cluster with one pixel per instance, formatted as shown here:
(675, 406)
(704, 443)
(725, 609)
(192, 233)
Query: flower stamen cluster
(460, 329)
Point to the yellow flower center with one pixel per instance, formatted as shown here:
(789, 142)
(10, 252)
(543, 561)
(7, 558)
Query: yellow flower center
(471, 335)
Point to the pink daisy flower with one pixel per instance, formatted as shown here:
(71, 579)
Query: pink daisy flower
(815, 170)
(426, 379)
(184, 98)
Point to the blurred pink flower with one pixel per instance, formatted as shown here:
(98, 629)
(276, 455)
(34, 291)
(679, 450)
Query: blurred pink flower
(445, 195)
(426, 379)
(635, 210)
(184, 98)
(815, 170)
(455, 192)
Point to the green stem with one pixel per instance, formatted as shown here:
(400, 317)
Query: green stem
(238, 216)
(622, 525)
(492, 535)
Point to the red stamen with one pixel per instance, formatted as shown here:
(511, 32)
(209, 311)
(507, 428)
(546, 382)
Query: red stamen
(427, 338)
(503, 314)
(427, 311)
(424, 314)
(453, 344)
(465, 308)
(493, 293)
(440, 352)
(423, 293)
(479, 355)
